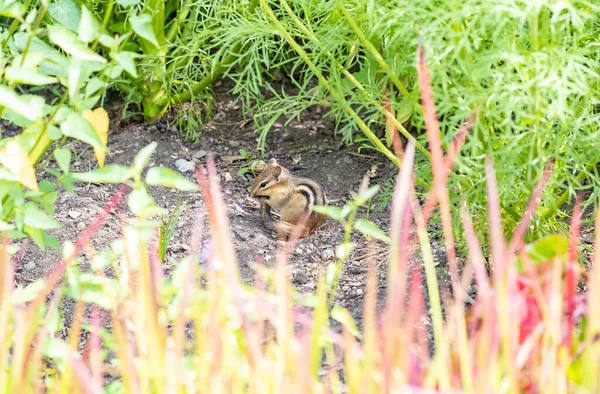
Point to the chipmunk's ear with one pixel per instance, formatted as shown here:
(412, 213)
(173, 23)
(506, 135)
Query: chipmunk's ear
(273, 162)
(277, 172)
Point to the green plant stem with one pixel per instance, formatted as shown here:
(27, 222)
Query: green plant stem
(163, 101)
(382, 63)
(365, 129)
(36, 25)
(351, 77)
(340, 263)
(13, 27)
(105, 19)
(182, 15)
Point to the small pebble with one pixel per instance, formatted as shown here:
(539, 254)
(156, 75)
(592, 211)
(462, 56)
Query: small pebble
(74, 214)
(300, 277)
(228, 177)
(81, 226)
(184, 166)
(198, 155)
(179, 248)
(30, 265)
(234, 143)
(359, 292)
(327, 254)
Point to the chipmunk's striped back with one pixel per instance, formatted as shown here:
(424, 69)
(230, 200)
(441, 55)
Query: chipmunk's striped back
(314, 195)
(294, 197)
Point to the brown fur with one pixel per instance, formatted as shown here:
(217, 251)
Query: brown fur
(278, 189)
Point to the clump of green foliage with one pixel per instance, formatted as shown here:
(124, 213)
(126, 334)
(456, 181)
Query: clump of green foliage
(47, 46)
(529, 73)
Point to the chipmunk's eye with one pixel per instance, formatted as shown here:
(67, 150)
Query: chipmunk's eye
(263, 184)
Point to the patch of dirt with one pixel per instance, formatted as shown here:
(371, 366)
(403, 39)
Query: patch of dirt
(307, 147)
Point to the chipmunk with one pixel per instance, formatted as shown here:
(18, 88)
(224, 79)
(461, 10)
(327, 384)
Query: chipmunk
(292, 196)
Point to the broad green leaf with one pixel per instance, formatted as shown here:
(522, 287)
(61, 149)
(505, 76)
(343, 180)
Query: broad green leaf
(98, 118)
(30, 61)
(107, 40)
(90, 102)
(405, 109)
(142, 25)
(27, 76)
(333, 212)
(583, 370)
(67, 182)
(75, 126)
(112, 173)
(93, 85)
(30, 109)
(52, 242)
(370, 229)
(37, 235)
(6, 175)
(114, 72)
(140, 203)
(5, 226)
(75, 78)
(403, 113)
(16, 160)
(366, 195)
(34, 217)
(89, 27)
(161, 176)
(332, 272)
(30, 135)
(60, 70)
(45, 187)
(143, 157)
(47, 201)
(15, 118)
(57, 349)
(71, 44)
(66, 13)
(54, 133)
(63, 158)
(12, 9)
(343, 250)
(37, 45)
(545, 250)
(23, 295)
(62, 114)
(343, 316)
(89, 287)
(127, 61)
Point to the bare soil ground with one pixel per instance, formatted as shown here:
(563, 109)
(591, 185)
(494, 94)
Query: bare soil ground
(307, 147)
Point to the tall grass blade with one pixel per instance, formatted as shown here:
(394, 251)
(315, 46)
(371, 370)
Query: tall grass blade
(439, 165)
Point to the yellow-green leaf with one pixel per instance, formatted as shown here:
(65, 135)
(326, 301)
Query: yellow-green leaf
(16, 160)
(70, 43)
(98, 118)
(161, 176)
(27, 76)
(30, 109)
(142, 25)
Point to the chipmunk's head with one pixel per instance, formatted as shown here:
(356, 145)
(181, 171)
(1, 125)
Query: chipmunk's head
(264, 183)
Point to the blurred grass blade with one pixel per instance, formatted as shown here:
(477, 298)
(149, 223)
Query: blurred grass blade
(516, 243)
(438, 164)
